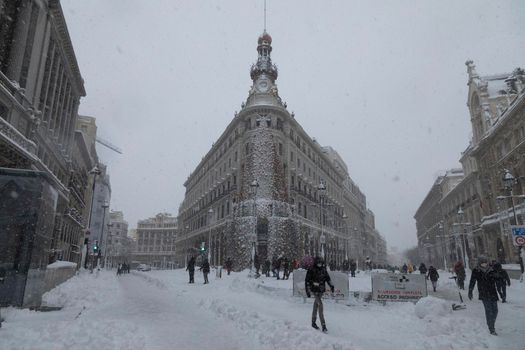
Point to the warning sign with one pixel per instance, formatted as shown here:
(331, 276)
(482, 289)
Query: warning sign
(518, 235)
(398, 287)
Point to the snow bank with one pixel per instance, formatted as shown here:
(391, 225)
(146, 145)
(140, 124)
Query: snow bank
(432, 307)
(58, 264)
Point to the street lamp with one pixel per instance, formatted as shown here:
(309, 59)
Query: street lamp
(106, 252)
(346, 236)
(102, 238)
(461, 232)
(210, 214)
(509, 181)
(254, 185)
(95, 172)
(442, 231)
(322, 190)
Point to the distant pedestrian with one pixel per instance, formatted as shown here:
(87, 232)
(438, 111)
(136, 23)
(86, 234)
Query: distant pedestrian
(315, 282)
(229, 265)
(433, 275)
(502, 281)
(404, 268)
(257, 265)
(286, 268)
(459, 270)
(368, 263)
(267, 267)
(119, 269)
(486, 278)
(191, 269)
(422, 269)
(276, 267)
(353, 267)
(410, 268)
(205, 268)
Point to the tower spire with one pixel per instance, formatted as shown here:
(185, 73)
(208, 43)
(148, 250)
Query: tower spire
(264, 15)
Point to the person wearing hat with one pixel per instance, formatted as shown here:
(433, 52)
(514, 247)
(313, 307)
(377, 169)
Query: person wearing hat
(486, 278)
(315, 282)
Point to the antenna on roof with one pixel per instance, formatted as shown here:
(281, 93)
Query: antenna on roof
(265, 15)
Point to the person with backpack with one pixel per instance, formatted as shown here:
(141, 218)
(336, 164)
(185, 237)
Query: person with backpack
(315, 282)
(459, 270)
(433, 275)
(502, 281)
(486, 278)
(191, 269)
(205, 268)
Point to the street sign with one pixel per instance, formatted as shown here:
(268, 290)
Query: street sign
(398, 287)
(518, 235)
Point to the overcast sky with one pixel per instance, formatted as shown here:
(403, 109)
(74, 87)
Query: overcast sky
(383, 82)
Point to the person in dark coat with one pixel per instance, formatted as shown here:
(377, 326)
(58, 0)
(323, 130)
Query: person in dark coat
(229, 265)
(433, 275)
(486, 278)
(315, 282)
(502, 282)
(205, 268)
(353, 267)
(277, 266)
(422, 269)
(459, 270)
(256, 264)
(191, 269)
(404, 268)
(286, 269)
(267, 267)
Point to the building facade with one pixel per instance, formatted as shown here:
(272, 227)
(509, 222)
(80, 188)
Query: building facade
(267, 187)
(155, 241)
(119, 245)
(476, 212)
(42, 162)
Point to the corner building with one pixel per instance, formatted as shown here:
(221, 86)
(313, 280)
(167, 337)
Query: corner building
(257, 189)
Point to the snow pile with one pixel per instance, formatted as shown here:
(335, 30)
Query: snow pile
(432, 307)
(58, 264)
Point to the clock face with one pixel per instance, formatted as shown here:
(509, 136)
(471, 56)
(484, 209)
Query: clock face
(263, 85)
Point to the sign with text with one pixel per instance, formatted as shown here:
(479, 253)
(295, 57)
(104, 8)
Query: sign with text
(518, 235)
(339, 280)
(398, 287)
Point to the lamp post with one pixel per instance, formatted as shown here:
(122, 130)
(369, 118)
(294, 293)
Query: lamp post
(509, 181)
(322, 190)
(346, 235)
(106, 251)
(444, 250)
(102, 237)
(95, 171)
(254, 185)
(461, 233)
(210, 214)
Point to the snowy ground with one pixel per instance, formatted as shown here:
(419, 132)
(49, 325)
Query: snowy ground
(159, 310)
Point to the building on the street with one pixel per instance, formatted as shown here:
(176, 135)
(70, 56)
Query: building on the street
(43, 201)
(155, 242)
(266, 186)
(119, 245)
(475, 211)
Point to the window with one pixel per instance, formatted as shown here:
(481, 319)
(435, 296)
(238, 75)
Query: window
(280, 149)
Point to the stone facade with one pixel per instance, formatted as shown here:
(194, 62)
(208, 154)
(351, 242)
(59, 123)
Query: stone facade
(155, 241)
(257, 189)
(497, 109)
(118, 246)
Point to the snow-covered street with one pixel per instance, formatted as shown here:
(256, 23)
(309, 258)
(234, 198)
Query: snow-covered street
(160, 310)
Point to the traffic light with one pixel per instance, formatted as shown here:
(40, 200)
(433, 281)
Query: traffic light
(203, 248)
(95, 247)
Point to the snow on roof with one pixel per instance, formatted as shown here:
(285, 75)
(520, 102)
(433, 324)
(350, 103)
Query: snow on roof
(60, 264)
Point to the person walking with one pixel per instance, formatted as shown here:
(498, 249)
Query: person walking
(410, 268)
(404, 269)
(267, 267)
(422, 269)
(229, 265)
(277, 267)
(502, 281)
(286, 269)
(315, 282)
(459, 270)
(205, 268)
(353, 267)
(433, 275)
(368, 263)
(191, 269)
(486, 278)
(257, 265)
